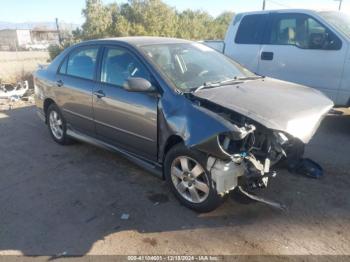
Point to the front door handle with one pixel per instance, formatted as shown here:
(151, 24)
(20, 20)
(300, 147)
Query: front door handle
(267, 56)
(59, 83)
(99, 94)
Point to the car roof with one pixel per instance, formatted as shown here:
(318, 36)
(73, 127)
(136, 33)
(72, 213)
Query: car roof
(139, 40)
(306, 11)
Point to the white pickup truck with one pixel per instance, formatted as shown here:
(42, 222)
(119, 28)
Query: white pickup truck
(302, 46)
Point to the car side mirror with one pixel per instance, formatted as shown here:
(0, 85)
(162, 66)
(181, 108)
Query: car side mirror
(332, 42)
(138, 84)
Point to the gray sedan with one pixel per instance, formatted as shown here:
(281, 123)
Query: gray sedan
(179, 109)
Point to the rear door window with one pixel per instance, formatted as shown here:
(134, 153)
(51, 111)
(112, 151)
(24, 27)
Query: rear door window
(251, 29)
(82, 63)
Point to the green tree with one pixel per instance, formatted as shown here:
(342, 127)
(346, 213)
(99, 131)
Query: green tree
(97, 20)
(194, 25)
(149, 17)
(119, 25)
(222, 22)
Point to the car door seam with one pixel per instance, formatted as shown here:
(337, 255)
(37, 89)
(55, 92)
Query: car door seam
(124, 131)
(77, 114)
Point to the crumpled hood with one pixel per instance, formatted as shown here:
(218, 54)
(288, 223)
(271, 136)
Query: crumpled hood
(291, 108)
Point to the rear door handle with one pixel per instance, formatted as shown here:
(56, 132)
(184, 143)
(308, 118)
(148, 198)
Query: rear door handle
(267, 56)
(59, 83)
(99, 94)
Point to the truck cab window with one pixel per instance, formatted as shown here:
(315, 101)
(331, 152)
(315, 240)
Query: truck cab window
(302, 31)
(251, 29)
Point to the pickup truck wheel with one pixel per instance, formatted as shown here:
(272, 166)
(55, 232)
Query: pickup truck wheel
(186, 173)
(57, 125)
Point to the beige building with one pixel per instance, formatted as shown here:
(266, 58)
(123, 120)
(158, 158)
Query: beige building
(12, 39)
(40, 35)
(17, 39)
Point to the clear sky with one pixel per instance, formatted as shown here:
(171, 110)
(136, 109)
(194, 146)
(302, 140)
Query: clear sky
(70, 10)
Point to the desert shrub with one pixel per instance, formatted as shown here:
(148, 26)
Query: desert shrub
(55, 50)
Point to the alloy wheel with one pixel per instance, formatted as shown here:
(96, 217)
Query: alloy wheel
(56, 124)
(190, 179)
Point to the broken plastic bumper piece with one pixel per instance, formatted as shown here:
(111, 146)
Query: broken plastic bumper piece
(306, 167)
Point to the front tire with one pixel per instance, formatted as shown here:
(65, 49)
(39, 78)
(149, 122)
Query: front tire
(57, 125)
(186, 174)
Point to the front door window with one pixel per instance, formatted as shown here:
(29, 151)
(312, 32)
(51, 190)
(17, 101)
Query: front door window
(118, 65)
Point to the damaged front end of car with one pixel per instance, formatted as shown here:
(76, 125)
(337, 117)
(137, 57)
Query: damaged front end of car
(242, 134)
(244, 156)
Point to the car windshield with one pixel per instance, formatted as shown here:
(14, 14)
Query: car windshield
(339, 20)
(191, 65)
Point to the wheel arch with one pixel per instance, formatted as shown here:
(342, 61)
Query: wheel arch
(47, 103)
(172, 141)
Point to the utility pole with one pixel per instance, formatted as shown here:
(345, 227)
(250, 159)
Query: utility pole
(264, 5)
(340, 3)
(58, 30)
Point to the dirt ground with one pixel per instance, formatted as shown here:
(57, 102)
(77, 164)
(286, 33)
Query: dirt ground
(69, 200)
(15, 66)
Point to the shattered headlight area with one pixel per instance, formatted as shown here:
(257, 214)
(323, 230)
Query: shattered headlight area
(249, 160)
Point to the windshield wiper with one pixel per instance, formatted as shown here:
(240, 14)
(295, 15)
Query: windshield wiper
(234, 80)
(249, 78)
(205, 86)
(214, 84)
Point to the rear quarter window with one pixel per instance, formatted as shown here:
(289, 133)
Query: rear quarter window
(63, 68)
(251, 29)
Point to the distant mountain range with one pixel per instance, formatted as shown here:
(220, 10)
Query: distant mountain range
(31, 25)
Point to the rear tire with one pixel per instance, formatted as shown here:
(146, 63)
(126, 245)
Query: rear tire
(57, 125)
(187, 176)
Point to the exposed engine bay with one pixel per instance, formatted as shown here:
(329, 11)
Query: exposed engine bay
(244, 158)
